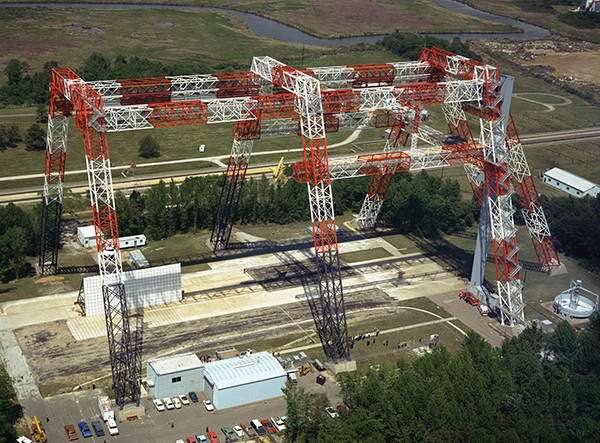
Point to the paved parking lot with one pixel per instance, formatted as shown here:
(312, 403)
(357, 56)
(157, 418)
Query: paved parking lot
(156, 427)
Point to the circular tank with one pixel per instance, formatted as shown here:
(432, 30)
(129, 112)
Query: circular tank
(571, 304)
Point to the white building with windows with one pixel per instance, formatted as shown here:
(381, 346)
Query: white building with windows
(174, 375)
(570, 183)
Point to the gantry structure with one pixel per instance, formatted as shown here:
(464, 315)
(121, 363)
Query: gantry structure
(276, 100)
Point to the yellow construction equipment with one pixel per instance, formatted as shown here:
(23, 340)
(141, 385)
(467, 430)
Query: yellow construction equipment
(37, 430)
(305, 369)
(277, 171)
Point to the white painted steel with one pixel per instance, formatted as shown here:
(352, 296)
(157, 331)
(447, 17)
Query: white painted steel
(56, 140)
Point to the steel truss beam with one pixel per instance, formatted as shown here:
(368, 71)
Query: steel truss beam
(331, 319)
(124, 345)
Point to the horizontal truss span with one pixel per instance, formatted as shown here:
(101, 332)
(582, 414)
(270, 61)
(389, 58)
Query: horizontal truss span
(155, 115)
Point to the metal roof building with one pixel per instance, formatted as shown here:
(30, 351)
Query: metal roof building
(87, 238)
(570, 183)
(174, 375)
(240, 380)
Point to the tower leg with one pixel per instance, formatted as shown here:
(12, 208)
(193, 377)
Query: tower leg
(56, 150)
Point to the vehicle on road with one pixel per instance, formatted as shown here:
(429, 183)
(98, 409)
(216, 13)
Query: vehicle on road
(483, 310)
(212, 437)
(177, 402)
(238, 431)
(278, 423)
(193, 396)
(168, 403)
(268, 426)
(248, 429)
(159, 404)
(208, 405)
(229, 434)
(97, 427)
(85, 429)
(331, 412)
(70, 430)
(184, 399)
(112, 427)
(200, 438)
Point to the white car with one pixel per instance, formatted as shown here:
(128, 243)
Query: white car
(112, 426)
(179, 441)
(238, 430)
(159, 405)
(184, 400)
(208, 405)
(168, 403)
(176, 402)
(278, 423)
(331, 412)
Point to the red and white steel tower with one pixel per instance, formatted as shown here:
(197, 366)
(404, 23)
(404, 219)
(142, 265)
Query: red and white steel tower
(274, 100)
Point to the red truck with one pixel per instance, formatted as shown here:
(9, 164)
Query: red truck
(469, 298)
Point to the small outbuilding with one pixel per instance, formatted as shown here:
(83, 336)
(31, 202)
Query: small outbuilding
(570, 183)
(241, 380)
(174, 375)
(86, 235)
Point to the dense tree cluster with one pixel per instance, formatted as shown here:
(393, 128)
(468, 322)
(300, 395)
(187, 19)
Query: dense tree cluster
(575, 227)
(10, 410)
(481, 394)
(19, 238)
(420, 204)
(9, 136)
(409, 46)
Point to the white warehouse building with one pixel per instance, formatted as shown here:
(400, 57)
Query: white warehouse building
(86, 235)
(240, 380)
(570, 183)
(174, 375)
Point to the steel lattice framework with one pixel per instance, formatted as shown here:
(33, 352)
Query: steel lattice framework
(274, 100)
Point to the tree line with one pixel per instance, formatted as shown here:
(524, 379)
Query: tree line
(19, 238)
(535, 388)
(418, 204)
(10, 410)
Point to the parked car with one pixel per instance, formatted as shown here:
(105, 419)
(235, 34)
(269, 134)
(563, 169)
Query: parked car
(200, 438)
(238, 431)
(184, 399)
(168, 403)
(177, 402)
(268, 426)
(229, 434)
(248, 429)
(212, 436)
(97, 427)
(278, 423)
(70, 430)
(260, 429)
(331, 412)
(85, 429)
(159, 405)
(193, 396)
(179, 441)
(208, 405)
(190, 440)
(112, 427)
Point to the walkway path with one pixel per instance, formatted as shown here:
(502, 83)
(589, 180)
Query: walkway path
(550, 107)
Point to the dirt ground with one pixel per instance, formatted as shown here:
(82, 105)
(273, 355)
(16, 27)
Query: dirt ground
(57, 360)
(566, 60)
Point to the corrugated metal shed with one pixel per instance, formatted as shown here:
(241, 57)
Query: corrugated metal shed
(237, 381)
(175, 363)
(579, 183)
(240, 371)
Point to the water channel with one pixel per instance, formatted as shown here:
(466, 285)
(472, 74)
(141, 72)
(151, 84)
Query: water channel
(269, 28)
